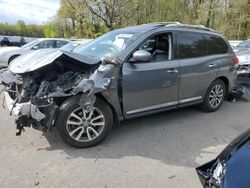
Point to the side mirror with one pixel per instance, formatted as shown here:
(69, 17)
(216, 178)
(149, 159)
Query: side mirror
(34, 47)
(142, 56)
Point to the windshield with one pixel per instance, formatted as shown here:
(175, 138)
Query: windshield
(244, 44)
(69, 47)
(108, 45)
(30, 44)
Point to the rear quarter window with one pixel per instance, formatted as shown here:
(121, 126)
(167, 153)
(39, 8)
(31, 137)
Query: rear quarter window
(191, 45)
(216, 45)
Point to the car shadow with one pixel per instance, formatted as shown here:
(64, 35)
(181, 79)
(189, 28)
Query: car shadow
(176, 137)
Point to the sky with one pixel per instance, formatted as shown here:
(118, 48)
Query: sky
(31, 11)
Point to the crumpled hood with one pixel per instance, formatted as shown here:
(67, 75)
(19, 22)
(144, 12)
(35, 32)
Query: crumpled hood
(40, 58)
(8, 49)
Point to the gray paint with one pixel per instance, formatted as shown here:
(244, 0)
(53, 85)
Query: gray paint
(135, 89)
(149, 84)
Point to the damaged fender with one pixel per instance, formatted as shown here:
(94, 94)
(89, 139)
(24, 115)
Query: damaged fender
(104, 81)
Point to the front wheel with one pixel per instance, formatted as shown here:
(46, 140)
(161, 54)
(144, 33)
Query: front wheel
(82, 129)
(214, 97)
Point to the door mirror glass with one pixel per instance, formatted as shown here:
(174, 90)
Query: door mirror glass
(141, 56)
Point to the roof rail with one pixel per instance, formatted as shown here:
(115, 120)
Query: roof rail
(162, 23)
(178, 24)
(201, 27)
(166, 23)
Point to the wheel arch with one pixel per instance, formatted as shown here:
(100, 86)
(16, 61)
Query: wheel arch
(226, 82)
(13, 57)
(59, 101)
(115, 114)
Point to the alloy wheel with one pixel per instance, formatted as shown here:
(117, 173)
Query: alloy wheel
(85, 126)
(216, 96)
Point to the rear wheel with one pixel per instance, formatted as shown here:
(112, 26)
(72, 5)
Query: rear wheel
(214, 97)
(81, 129)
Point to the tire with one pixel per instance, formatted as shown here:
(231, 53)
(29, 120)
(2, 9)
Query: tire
(88, 137)
(12, 58)
(208, 105)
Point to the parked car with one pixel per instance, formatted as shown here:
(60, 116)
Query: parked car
(234, 43)
(231, 168)
(244, 45)
(244, 62)
(41, 53)
(74, 44)
(123, 74)
(8, 54)
(4, 41)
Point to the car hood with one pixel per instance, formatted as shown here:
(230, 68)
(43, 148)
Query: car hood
(8, 49)
(40, 58)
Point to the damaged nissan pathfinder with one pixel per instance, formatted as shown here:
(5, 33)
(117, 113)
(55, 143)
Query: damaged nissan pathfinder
(123, 74)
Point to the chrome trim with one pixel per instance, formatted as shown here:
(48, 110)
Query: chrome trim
(152, 107)
(190, 99)
(164, 105)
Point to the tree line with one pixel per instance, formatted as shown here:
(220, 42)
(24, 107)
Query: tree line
(21, 29)
(91, 18)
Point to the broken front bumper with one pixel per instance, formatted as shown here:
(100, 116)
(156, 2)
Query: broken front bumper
(22, 109)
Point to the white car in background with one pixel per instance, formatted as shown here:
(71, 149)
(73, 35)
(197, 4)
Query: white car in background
(244, 61)
(8, 54)
(75, 43)
(40, 55)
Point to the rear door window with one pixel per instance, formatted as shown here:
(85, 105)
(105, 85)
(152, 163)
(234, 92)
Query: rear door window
(216, 45)
(191, 45)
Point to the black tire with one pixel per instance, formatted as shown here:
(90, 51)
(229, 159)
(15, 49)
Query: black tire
(72, 104)
(206, 106)
(12, 58)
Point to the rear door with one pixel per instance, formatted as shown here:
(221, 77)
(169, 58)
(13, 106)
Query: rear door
(197, 68)
(152, 85)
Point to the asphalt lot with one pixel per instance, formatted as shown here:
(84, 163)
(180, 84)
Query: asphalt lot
(156, 151)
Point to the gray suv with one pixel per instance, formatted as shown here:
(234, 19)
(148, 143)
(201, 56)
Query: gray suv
(123, 74)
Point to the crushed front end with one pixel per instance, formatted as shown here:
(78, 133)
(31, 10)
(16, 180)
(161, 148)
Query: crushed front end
(35, 96)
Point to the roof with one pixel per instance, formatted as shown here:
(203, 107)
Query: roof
(42, 39)
(156, 25)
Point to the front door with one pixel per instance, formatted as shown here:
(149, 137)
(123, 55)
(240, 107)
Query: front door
(151, 85)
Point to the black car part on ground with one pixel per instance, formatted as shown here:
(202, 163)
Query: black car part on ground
(242, 88)
(231, 168)
(41, 91)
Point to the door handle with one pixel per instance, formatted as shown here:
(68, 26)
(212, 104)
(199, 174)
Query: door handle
(171, 71)
(211, 65)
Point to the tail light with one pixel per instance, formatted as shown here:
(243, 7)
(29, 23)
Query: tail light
(235, 60)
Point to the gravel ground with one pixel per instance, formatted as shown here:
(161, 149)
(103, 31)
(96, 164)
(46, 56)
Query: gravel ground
(156, 151)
